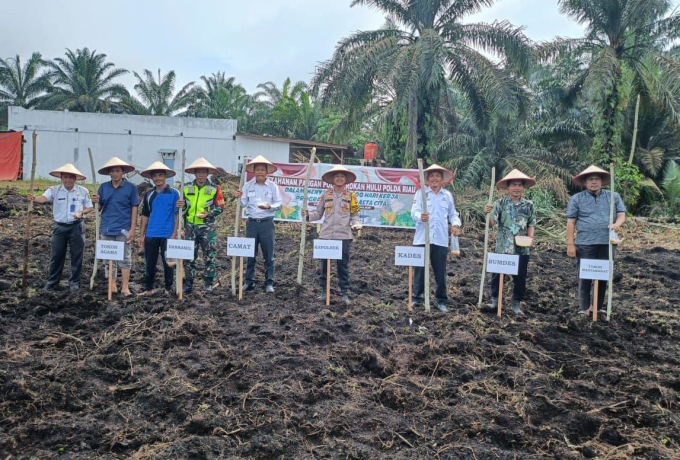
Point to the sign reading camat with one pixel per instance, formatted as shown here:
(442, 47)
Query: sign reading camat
(110, 250)
(507, 264)
(180, 249)
(593, 269)
(243, 247)
(409, 256)
(328, 249)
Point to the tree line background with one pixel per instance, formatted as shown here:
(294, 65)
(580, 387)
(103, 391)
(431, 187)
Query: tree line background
(469, 96)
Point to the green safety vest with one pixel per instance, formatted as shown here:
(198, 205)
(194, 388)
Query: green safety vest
(199, 199)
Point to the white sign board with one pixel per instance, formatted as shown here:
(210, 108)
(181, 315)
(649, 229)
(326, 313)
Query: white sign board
(110, 250)
(593, 269)
(327, 249)
(243, 247)
(508, 264)
(180, 249)
(410, 256)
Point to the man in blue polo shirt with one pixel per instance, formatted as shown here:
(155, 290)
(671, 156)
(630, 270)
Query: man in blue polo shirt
(160, 218)
(119, 201)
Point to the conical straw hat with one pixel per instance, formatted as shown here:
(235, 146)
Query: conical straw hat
(580, 179)
(349, 175)
(201, 163)
(68, 168)
(447, 176)
(515, 174)
(115, 161)
(260, 160)
(157, 166)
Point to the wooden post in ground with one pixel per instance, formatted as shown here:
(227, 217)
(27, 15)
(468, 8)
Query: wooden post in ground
(110, 294)
(240, 278)
(500, 297)
(410, 288)
(96, 219)
(328, 281)
(611, 246)
(180, 229)
(303, 224)
(595, 298)
(423, 196)
(486, 239)
(29, 214)
(237, 225)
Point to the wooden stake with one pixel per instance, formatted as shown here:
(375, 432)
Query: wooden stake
(595, 298)
(500, 297)
(96, 219)
(423, 196)
(240, 279)
(486, 239)
(237, 225)
(29, 214)
(611, 247)
(328, 281)
(110, 279)
(303, 224)
(180, 228)
(410, 288)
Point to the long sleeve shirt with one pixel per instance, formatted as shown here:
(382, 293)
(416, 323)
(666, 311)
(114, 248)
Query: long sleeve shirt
(341, 211)
(442, 211)
(254, 194)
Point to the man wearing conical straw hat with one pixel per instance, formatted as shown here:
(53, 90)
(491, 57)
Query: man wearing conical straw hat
(340, 210)
(261, 198)
(70, 203)
(588, 216)
(160, 219)
(119, 202)
(441, 212)
(201, 203)
(516, 220)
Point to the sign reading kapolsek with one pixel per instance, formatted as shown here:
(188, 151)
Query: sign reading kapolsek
(110, 250)
(328, 249)
(409, 256)
(507, 264)
(180, 249)
(241, 247)
(592, 269)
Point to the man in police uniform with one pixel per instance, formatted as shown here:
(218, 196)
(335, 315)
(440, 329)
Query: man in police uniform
(70, 203)
(202, 202)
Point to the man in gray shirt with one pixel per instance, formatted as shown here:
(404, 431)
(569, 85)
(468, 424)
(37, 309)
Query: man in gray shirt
(588, 215)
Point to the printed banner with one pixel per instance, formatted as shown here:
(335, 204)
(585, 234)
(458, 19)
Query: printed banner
(385, 195)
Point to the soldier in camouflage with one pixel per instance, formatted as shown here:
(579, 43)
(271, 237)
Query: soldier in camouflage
(201, 203)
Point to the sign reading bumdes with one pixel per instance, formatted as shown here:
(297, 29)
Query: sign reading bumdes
(110, 250)
(593, 269)
(410, 256)
(327, 249)
(180, 249)
(243, 247)
(508, 264)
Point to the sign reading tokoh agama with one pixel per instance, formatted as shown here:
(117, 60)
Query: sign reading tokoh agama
(110, 250)
(507, 264)
(410, 256)
(241, 247)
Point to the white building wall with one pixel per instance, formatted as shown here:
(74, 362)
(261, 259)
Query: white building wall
(274, 151)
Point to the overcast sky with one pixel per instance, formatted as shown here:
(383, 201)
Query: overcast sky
(253, 40)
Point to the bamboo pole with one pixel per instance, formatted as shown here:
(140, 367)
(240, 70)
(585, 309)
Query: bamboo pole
(423, 196)
(303, 225)
(180, 228)
(486, 239)
(96, 219)
(29, 214)
(237, 225)
(611, 247)
(635, 130)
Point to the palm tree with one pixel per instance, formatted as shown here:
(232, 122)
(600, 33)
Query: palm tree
(293, 113)
(407, 68)
(22, 86)
(156, 96)
(84, 82)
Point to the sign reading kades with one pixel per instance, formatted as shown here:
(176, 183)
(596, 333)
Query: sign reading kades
(410, 256)
(592, 269)
(180, 249)
(110, 250)
(508, 264)
(328, 249)
(243, 247)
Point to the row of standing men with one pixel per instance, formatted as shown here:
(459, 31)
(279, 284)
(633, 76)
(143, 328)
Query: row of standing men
(202, 201)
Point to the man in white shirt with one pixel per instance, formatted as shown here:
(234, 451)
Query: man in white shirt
(441, 212)
(261, 198)
(71, 203)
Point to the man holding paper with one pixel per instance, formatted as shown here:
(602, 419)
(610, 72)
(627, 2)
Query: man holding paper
(261, 198)
(588, 216)
(441, 211)
(340, 209)
(516, 220)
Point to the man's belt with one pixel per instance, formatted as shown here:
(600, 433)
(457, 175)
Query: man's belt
(68, 224)
(258, 220)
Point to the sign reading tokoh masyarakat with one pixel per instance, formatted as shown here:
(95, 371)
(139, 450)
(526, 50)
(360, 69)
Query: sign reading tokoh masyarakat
(507, 264)
(410, 256)
(594, 269)
(241, 247)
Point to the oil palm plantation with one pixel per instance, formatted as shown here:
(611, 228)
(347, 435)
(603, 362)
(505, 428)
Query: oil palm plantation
(409, 65)
(156, 95)
(293, 113)
(83, 81)
(22, 85)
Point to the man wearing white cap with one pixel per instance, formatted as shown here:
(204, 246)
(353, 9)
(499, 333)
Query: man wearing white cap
(119, 201)
(201, 204)
(71, 203)
(516, 218)
(160, 219)
(588, 216)
(261, 198)
(340, 209)
(441, 211)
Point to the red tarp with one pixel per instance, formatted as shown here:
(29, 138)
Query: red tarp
(10, 155)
